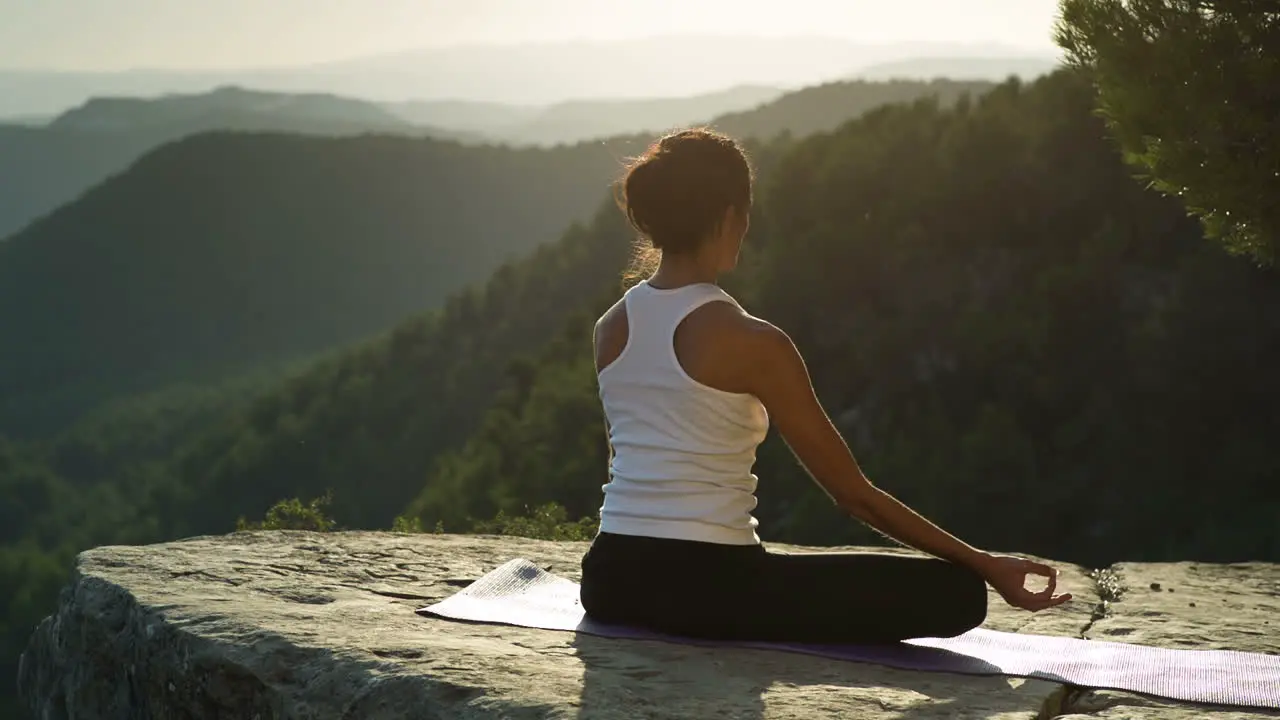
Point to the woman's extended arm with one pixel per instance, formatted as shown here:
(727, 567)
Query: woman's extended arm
(780, 380)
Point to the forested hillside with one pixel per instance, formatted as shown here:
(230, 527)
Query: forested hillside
(43, 167)
(1015, 337)
(223, 251)
(96, 484)
(167, 270)
(823, 108)
(383, 412)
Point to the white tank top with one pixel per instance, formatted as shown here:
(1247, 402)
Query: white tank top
(683, 451)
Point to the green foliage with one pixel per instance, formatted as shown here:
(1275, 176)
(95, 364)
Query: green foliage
(370, 423)
(101, 482)
(223, 252)
(374, 421)
(1022, 332)
(30, 578)
(293, 514)
(407, 524)
(1015, 337)
(370, 420)
(48, 166)
(265, 249)
(549, 521)
(540, 442)
(1190, 91)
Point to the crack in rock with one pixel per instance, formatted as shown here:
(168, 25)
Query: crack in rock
(1073, 699)
(1110, 588)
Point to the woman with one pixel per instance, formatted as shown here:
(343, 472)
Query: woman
(689, 382)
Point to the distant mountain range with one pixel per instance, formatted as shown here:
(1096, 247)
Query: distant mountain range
(529, 74)
(232, 108)
(221, 252)
(577, 120)
(44, 166)
(959, 68)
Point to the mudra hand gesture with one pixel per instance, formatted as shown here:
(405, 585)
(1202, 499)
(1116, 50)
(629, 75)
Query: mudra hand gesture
(1008, 575)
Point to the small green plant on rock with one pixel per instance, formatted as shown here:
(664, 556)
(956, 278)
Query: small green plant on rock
(413, 524)
(545, 522)
(292, 514)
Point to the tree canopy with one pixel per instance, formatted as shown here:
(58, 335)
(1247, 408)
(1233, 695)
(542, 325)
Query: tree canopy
(1191, 92)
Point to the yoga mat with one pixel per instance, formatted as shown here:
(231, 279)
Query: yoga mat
(522, 594)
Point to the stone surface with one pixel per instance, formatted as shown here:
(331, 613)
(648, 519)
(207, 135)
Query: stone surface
(321, 625)
(1192, 606)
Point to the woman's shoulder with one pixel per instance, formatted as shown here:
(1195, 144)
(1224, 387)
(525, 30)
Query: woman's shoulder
(612, 322)
(732, 326)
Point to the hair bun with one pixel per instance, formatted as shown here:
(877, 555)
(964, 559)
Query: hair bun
(677, 192)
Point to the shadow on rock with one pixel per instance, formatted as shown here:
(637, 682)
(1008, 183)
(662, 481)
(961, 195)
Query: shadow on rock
(660, 679)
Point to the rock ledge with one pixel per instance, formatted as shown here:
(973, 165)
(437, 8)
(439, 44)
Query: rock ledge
(320, 626)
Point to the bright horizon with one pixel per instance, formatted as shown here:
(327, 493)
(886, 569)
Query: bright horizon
(115, 35)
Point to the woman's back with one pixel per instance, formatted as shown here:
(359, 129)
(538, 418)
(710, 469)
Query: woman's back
(685, 376)
(682, 449)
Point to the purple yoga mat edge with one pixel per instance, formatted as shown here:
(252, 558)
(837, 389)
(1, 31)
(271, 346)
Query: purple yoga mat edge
(925, 654)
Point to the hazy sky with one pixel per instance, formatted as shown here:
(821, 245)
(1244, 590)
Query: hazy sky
(121, 34)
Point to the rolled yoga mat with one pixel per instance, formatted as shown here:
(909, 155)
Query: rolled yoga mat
(522, 594)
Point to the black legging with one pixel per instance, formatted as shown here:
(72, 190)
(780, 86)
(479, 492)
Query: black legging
(734, 592)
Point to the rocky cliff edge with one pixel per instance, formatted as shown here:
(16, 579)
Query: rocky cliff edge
(321, 626)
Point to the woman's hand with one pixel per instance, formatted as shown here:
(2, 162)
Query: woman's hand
(1008, 575)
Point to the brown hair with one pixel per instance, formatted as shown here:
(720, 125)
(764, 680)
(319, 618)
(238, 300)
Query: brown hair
(676, 193)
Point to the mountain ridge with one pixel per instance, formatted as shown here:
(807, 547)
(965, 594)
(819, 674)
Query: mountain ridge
(208, 111)
(518, 74)
(253, 237)
(45, 166)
